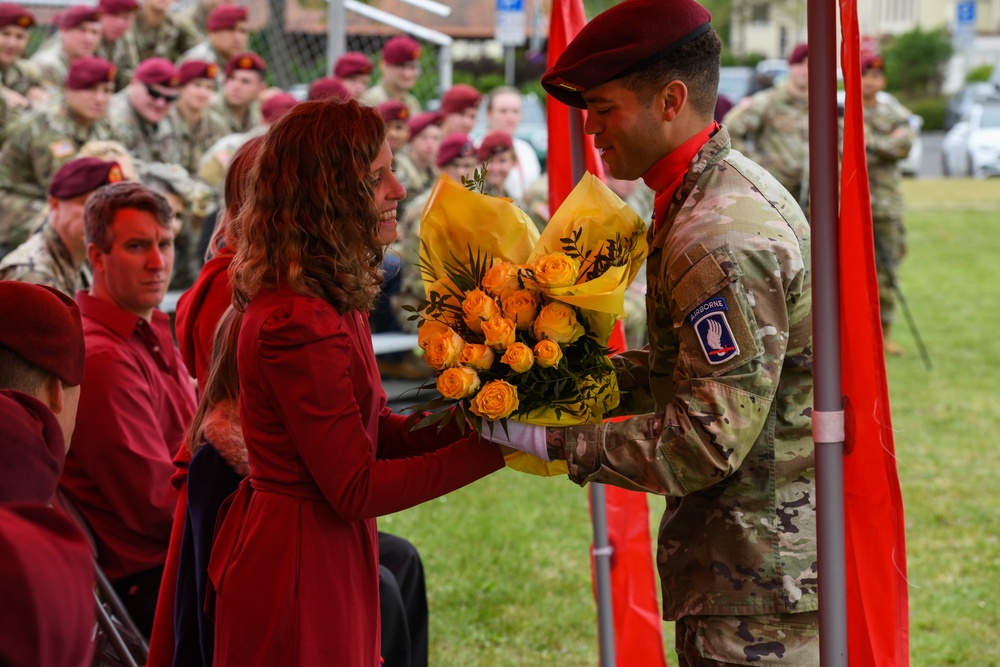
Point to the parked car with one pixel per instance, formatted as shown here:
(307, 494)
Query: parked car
(963, 100)
(972, 146)
(737, 82)
(910, 165)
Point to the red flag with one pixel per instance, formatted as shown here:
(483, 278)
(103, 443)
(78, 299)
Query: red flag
(877, 611)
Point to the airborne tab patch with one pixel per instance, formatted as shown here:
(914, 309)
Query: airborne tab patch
(713, 330)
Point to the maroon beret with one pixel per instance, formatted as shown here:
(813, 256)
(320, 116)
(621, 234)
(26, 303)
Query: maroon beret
(872, 61)
(400, 50)
(117, 6)
(420, 122)
(624, 39)
(329, 86)
(14, 14)
(196, 69)
(83, 175)
(248, 61)
(798, 54)
(89, 71)
(391, 110)
(78, 15)
(42, 326)
(493, 143)
(157, 71)
(352, 63)
(454, 146)
(225, 17)
(460, 97)
(32, 449)
(47, 588)
(277, 106)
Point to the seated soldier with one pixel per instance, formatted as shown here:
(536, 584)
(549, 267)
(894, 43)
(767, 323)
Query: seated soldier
(156, 33)
(137, 398)
(20, 81)
(355, 71)
(196, 128)
(237, 104)
(78, 37)
(56, 254)
(42, 141)
(459, 108)
(496, 153)
(228, 36)
(117, 17)
(400, 67)
(138, 114)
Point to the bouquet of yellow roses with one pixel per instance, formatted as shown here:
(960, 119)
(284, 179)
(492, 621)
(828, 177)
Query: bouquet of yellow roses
(516, 324)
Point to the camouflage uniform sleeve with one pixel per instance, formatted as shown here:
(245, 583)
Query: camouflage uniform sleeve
(888, 135)
(744, 122)
(728, 310)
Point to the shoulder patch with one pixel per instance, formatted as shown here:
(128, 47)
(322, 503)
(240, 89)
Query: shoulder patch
(62, 148)
(713, 330)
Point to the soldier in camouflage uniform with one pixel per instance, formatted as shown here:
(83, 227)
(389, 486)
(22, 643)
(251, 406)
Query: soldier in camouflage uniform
(197, 128)
(354, 70)
(20, 81)
(772, 128)
(194, 19)
(228, 36)
(723, 394)
(157, 34)
(237, 104)
(78, 37)
(138, 114)
(117, 18)
(400, 69)
(415, 167)
(888, 139)
(42, 141)
(56, 254)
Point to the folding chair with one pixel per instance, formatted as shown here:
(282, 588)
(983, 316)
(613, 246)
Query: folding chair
(118, 641)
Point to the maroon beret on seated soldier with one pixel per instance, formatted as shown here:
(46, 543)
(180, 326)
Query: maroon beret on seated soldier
(798, 54)
(14, 14)
(276, 106)
(400, 50)
(32, 449)
(493, 143)
(225, 17)
(329, 86)
(248, 61)
(157, 71)
(351, 64)
(454, 146)
(117, 6)
(78, 15)
(47, 588)
(82, 176)
(392, 110)
(620, 41)
(89, 71)
(872, 61)
(43, 326)
(460, 97)
(196, 69)
(422, 121)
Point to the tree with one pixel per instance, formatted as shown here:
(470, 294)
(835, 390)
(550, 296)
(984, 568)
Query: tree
(915, 61)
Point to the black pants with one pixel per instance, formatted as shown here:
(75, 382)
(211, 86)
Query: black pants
(139, 593)
(403, 601)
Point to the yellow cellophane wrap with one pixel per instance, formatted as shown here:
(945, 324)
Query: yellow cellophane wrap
(455, 221)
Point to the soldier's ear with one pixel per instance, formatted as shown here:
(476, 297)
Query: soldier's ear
(95, 256)
(671, 100)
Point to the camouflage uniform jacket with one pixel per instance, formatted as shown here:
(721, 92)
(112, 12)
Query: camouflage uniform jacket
(144, 141)
(195, 141)
(772, 129)
(168, 41)
(44, 260)
(206, 52)
(36, 146)
(725, 393)
(413, 178)
(377, 94)
(123, 55)
(21, 76)
(888, 139)
(53, 66)
(224, 114)
(192, 21)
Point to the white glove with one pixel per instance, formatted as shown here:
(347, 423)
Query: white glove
(527, 438)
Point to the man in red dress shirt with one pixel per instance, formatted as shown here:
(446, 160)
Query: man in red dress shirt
(136, 399)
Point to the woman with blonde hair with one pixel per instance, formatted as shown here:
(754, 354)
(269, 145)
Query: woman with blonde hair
(295, 563)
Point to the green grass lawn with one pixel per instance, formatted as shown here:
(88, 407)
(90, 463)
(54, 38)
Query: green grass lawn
(507, 558)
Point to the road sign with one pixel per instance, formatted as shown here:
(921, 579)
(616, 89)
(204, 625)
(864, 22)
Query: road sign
(965, 23)
(510, 21)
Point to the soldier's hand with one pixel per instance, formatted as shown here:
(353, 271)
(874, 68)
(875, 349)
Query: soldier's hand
(15, 100)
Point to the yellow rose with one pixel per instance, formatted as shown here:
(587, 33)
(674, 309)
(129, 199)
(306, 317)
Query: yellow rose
(501, 279)
(442, 293)
(499, 332)
(496, 400)
(519, 357)
(558, 322)
(521, 306)
(443, 349)
(458, 382)
(476, 356)
(477, 308)
(556, 270)
(548, 354)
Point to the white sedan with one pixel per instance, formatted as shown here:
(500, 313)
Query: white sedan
(972, 146)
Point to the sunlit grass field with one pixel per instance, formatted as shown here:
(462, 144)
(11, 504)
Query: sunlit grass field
(507, 558)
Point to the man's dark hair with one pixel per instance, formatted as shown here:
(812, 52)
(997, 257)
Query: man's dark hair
(696, 64)
(16, 373)
(102, 206)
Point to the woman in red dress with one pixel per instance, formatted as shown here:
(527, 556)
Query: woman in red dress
(294, 566)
